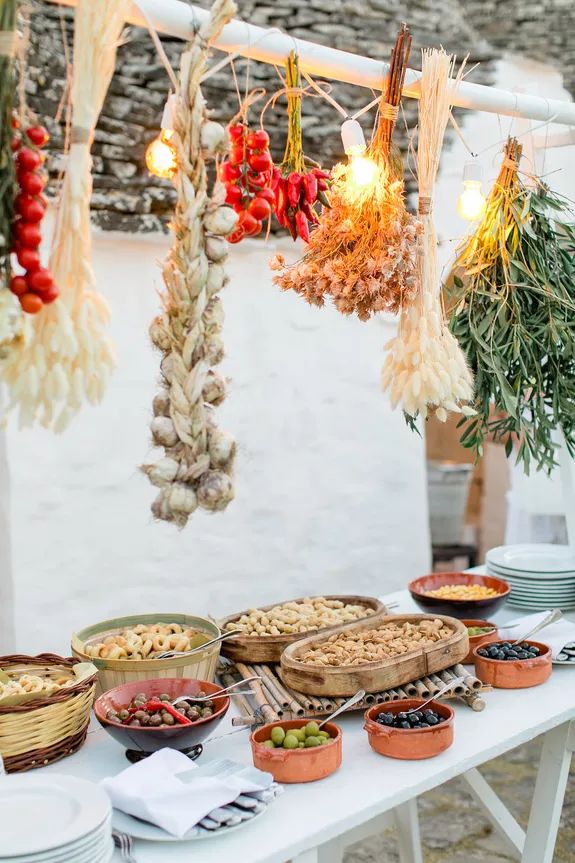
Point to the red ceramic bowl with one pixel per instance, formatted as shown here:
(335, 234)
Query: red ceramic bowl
(459, 608)
(180, 737)
(409, 743)
(515, 673)
(480, 640)
(297, 765)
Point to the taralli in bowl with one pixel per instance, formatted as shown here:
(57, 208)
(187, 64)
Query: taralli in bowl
(513, 672)
(295, 763)
(409, 743)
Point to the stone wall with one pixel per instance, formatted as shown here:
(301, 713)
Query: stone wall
(127, 198)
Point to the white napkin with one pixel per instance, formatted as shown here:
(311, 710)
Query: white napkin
(556, 635)
(163, 790)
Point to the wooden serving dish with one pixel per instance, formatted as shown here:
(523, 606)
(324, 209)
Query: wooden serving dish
(269, 648)
(372, 676)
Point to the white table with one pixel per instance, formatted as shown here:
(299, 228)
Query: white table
(313, 823)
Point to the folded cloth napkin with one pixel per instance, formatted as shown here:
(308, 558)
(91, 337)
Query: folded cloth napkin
(169, 790)
(556, 635)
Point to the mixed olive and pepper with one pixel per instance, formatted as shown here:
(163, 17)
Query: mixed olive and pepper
(159, 712)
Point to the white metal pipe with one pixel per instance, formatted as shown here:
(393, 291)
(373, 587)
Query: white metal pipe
(175, 18)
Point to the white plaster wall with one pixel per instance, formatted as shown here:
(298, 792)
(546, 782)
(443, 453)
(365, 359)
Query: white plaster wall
(330, 483)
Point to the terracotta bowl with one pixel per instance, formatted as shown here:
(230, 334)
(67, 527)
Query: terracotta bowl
(413, 743)
(515, 673)
(459, 608)
(479, 640)
(182, 737)
(297, 765)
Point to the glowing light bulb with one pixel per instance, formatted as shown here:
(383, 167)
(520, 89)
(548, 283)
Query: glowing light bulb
(161, 159)
(471, 202)
(364, 171)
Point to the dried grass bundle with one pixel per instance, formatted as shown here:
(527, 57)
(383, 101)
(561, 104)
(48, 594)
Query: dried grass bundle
(362, 253)
(425, 368)
(196, 469)
(68, 357)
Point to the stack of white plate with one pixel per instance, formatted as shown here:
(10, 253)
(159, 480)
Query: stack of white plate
(540, 576)
(54, 819)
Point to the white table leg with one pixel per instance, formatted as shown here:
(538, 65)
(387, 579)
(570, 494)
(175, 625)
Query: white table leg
(408, 836)
(548, 797)
(501, 818)
(310, 856)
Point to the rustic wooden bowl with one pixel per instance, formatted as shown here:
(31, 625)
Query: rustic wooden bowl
(409, 743)
(372, 676)
(480, 640)
(297, 765)
(269, 648)
(457, 607)
(515, 673)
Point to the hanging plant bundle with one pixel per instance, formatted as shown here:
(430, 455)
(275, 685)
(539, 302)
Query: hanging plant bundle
(198, 458)
(68, 357)
(425, 369)
(513, 297)
(362, 253)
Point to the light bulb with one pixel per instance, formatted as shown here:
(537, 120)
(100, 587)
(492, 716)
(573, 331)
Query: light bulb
(161, 159)
(471, 202)
(363, 171)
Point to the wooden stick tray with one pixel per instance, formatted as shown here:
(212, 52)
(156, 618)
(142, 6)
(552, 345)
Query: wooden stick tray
(376, 676)
(275, 700)
(269, 648)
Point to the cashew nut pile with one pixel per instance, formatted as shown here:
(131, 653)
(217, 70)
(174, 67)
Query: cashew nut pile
(371, 645)
(146, 641)
(301, 615)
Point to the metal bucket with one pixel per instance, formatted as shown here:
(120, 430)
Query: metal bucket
(447, 490)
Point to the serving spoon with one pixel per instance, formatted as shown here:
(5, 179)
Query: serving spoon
(345, 706)
(554, 615)
(442, 691)
(219, 693)
(167, 654)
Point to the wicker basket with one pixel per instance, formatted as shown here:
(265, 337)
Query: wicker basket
(113, 672)
(48, 728)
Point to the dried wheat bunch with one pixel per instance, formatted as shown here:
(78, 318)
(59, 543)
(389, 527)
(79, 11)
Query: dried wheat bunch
(425, 368)
(198, 458)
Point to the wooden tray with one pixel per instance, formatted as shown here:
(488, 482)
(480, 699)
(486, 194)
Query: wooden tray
(373, 676)
(269, 648)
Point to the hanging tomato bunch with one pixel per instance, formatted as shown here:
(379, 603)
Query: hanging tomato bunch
(247, 176)
(36, 287)
(300, 182)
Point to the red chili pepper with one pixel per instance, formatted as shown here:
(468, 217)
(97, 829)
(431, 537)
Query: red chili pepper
(294, 188)
(281, 201)
(290, 223)
(302, 225)
(154, 704)
(321, 175)
(322, 185)
(309, 212)
(309, 183)
(276, 177)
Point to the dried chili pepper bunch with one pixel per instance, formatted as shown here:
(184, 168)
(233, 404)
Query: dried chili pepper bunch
(300, 182)
(247, 176)
(363, 252)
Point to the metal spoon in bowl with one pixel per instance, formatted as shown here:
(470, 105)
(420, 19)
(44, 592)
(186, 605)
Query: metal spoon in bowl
(345, 706)
(442, 691)
(219, 693)
(554, 615)
(167, 654)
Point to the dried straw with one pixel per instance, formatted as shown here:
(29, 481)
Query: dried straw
(425, 368)
(68, 358)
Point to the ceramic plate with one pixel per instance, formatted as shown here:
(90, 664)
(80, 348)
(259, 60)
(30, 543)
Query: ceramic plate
(530, 557)
(65, 810)
(144, 830)
(101, 854)
(527, 577)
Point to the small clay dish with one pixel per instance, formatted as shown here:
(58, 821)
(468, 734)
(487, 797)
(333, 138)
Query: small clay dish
(515, 673)
(459, 608)
(409, 743)
(480, 640)
(297, 765)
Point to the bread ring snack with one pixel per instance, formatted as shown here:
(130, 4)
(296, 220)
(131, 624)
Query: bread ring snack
(145, 641)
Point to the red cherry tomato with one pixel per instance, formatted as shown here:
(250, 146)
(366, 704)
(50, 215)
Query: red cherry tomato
(260, 208)
(39, 281)
(38, 135)
(260, 162)
(235, 236)
(235, 131)
(30, 208)
(233, 195)
(259, 140)
(18, 285)
(267, 195)
(237, 154)
(29, 259)
(50, 295)
(229, 172)
(31, 182)
(29, 160)
(28, 235)
(15, 143)
(257, 181)
(239, 208)
(31, 303)
(15, 122)
(249, 224)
